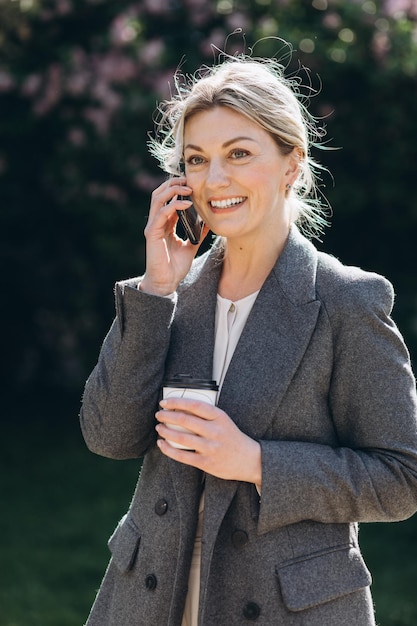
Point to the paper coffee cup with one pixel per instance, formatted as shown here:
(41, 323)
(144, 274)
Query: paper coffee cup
(184, 386)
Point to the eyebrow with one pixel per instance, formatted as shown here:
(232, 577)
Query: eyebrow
(225, 145)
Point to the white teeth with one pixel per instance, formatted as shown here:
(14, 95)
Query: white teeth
(224, 204)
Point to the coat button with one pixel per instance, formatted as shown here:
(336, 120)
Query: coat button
(161, 507)
(239, 538)
(251, 611)
(151, 582)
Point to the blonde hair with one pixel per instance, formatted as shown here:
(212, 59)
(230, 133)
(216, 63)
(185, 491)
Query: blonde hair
(258, 89)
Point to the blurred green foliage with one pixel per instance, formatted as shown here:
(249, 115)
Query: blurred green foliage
(79, 82)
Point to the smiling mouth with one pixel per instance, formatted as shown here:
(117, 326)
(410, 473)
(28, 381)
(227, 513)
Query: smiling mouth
(227, 203)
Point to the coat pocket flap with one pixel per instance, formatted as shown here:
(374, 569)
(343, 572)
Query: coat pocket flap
(124, 544)
(322, 577)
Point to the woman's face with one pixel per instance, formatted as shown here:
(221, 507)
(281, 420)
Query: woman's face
(237, 174)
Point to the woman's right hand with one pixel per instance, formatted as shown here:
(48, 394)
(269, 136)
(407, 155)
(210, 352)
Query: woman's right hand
(168, 257)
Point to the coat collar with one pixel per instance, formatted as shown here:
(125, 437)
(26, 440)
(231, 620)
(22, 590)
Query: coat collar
(274, 339)
(279, 307)
(266, 358)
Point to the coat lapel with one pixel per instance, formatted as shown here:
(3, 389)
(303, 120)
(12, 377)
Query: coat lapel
(192, 334)
(274, 340)
(266, 358)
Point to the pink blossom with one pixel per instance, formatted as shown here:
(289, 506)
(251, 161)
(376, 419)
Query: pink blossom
(122, 31)
(31, 85)
(46, 15)
(114, 67)
(194, 5)
(217, 38)
(52, 91)
(113, 193)
(162, 83)
(332, 20)
(63, 7)
(76, 137)
(326, 110)
(77, 83)
(79, 76)
(108, 98)
(78, 56)
(147, 182)
(238, 20)
(200, 11)
(6, 82)
(380, 45)
(400, 8)
(108, 192)
(157, 7)
(99, 117)
(152, 51)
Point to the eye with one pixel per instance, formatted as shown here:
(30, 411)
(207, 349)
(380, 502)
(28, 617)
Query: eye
(195, 160)
(238, 153)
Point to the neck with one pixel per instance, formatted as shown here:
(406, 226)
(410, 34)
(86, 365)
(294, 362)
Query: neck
(246, 265)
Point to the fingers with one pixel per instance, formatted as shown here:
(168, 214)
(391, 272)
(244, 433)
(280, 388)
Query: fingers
(168, 257)
(214, 446)
(165, 193)
(184, 423)
(163, 217)
(188, 405)
(178, 440)
(189, 423)
(185, 454)
(191, 446)
(176, 436)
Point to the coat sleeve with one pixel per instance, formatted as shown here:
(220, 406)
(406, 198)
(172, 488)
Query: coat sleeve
(371, 475)
(121, 395)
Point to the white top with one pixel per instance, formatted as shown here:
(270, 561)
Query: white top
(230, 320)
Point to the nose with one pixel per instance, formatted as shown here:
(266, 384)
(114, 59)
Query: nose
(217, 175)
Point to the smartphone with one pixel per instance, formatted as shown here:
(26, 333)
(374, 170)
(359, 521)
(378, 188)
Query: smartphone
(191, 222)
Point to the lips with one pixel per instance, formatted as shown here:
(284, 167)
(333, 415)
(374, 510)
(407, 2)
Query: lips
(226, 203)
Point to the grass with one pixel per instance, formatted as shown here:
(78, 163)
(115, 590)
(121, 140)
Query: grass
(390, 551)
(60, 503)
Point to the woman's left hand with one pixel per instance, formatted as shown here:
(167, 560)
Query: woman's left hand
(217, 446)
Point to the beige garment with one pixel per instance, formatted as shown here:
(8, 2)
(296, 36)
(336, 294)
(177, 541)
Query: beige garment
(190, 616)
(230, 319)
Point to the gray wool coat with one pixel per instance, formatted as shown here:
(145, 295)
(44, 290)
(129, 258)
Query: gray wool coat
(321, 377)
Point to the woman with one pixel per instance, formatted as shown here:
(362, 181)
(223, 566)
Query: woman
(315, 426)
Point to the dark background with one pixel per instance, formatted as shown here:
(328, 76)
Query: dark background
(79, 82)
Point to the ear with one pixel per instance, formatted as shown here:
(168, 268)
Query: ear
(293, 169)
